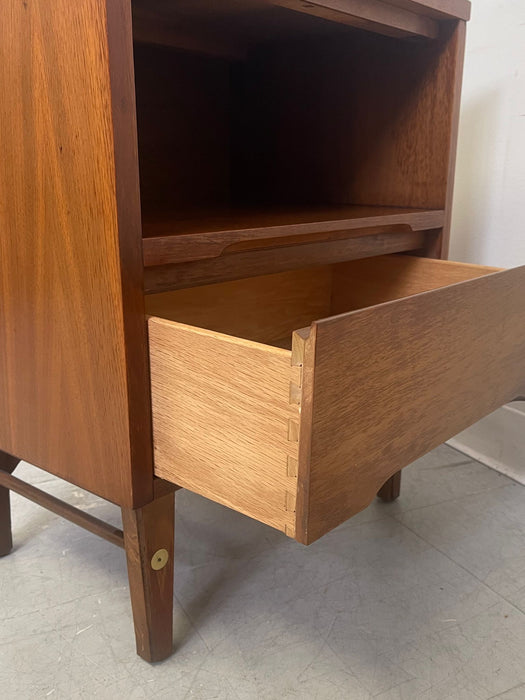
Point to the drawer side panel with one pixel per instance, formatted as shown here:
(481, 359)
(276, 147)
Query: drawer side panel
(225, 420)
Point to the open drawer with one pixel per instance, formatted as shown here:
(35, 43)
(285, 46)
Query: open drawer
(298, 422)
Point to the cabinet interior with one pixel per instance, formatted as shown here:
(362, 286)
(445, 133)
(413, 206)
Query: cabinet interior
(297, 119)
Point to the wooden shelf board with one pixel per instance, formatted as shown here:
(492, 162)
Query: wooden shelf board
(231, 27)
(171, 239)
(253, 263)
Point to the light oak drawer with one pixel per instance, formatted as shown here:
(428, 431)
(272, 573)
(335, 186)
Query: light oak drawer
(298, 422)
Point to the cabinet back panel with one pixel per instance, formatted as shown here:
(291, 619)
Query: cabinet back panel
(362, 119)
(183, 117)
(343, 119)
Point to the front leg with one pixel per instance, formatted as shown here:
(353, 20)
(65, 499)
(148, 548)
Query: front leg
(7, 464)
(148, 540)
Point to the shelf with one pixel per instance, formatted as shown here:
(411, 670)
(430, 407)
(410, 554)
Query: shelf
(231, 28)
(171, 239)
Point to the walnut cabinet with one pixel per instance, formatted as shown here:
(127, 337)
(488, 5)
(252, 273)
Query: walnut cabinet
(223, 243)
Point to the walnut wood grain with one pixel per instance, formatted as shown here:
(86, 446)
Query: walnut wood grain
(73, 369)
(146, 531)
(385, 135)
(231, 29)
(457, 47)
(444, 9)
(267, 261)
(7, 467)
(171, 240)
(372, 15)
(388, 383)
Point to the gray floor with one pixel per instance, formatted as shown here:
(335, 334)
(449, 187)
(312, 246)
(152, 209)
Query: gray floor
(423, 599)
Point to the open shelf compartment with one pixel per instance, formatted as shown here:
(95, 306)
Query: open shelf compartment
(315, 131)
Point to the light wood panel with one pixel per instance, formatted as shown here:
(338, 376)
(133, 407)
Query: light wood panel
(264, 309)
(73, 370)
(223, 423)
(391, 382)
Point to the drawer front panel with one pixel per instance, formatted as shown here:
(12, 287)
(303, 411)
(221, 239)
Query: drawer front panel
(386, 384)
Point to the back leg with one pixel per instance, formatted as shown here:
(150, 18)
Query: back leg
(7, 464)
(391, 488)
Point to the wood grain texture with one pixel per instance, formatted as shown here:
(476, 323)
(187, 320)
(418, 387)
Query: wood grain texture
(223, 423)
(390, 382)
(72, 352)
(7, 466)
(227, 29)
(183, 103)
(232, 28)
(443, 9)
(457, 46)
(384, 136)
(169, 240)
(146, 531)
(263, 309)
(362, 283)
(372, 15)
(261, 262)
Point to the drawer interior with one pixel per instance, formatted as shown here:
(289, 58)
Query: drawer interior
(293, 397)
(269, 308)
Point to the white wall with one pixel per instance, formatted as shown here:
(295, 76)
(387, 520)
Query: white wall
(488, 223)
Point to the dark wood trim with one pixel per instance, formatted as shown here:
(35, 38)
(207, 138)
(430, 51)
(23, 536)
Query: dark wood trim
(264, 262)
(391, 489)
(374, 15)
(124, 117)
(7, 466)
(458, 37)
(441, 9)
(169, 241)
(149, 538)
(74, 515)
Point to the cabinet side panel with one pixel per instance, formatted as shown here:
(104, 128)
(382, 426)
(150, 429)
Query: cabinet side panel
(65, 394)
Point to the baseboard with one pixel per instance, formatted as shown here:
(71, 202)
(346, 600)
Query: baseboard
(497, 441)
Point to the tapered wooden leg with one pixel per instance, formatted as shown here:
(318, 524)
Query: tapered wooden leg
(7, 464)
(148, 540)
(391, 488)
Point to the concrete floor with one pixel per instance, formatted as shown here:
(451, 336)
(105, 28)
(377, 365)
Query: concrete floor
(423, 598)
